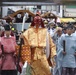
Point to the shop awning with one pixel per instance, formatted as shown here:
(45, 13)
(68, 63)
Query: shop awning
(67, 20)
(75, 19)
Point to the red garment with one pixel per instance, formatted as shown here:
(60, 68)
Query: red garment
(9, 50)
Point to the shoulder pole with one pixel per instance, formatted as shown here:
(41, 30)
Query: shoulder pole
(64, 45)
(19, 55)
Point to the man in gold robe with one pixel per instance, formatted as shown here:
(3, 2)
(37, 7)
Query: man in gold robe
(36, 36)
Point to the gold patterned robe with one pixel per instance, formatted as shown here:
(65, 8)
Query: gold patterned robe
(37, 41)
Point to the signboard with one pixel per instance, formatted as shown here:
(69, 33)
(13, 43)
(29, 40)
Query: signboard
(65, 1)
(70, 14)
(70, 11)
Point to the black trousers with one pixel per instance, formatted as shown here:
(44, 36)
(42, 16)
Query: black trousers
(68, 71)
(9, 72)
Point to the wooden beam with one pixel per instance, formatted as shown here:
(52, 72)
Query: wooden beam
(22, 11)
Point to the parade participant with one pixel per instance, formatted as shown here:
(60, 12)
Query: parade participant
(8, 43)
(56, 38)
(52, 28)
(57, 35)
(66, 54)
(11, 33)
(36, 36)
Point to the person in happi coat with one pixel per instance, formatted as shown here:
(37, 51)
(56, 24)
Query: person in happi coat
(8, 66)
(67, 53)
(41, 47)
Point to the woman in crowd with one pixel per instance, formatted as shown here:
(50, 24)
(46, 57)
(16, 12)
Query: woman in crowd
(41, 45)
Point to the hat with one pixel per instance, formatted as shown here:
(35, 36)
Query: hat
(7, 28)
(51, 23)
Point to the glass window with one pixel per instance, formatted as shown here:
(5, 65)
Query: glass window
(49, 7)
(43, 7)
(54, 7)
